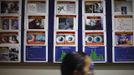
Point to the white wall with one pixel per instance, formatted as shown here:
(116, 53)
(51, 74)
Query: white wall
(55, 70)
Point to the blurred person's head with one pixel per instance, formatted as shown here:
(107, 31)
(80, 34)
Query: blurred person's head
(76, 64)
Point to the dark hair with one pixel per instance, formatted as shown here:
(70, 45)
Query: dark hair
(72, 62)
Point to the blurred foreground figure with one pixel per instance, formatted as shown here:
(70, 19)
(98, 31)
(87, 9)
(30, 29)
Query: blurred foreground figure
(77, 64)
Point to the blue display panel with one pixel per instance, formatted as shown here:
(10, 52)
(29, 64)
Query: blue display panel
(61, 51)
(96, 53)
(124, 54)
(36, 53)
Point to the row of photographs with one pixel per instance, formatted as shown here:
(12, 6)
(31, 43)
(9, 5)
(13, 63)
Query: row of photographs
(62, 7)
(97, 38)
(91, 22)
(122, 6)
(65, 22)
(94, 38)
(66, 38)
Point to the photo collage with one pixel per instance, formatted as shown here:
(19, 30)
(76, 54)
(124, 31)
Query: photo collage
(9, 23)
(36, 31)
(9, 54)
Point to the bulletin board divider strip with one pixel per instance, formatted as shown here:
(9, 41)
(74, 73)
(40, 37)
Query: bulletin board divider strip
(80, 41)
(109, 30)
(50, 30)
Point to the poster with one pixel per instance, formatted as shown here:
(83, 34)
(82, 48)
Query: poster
(35, 53)
(123, 22)
(9, 38)
(65, 28)
(65, 38)
(94, 23)
(36, 6)
(66, 22)
(9, 23)
(124, 38)
(61, 51)
(9, 7)
(97, 53)
(94, 38)
(36, 37)
(66, 7)
(9, 54)
(36, 22)
(123, 54)
(93, 6)
(36, 33)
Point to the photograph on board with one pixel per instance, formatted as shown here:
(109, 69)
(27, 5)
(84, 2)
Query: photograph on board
(124, 38)
(94, 38)
(9, 7)
(36, 37)
(4, 24)
(36, 6)
(65, 38)
(94, 7)
(123, 6)
(66, 7)
(9, 54)
(9, 23)
(66, 22)
(36, 22)
(9, 38)
(94, 23)
(123, 22)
